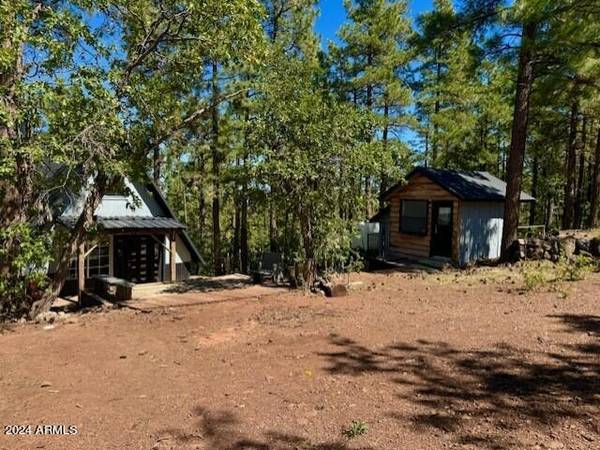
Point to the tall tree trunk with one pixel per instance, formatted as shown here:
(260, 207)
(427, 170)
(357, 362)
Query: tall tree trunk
(518, 139)
(580, 197)
(384, 181)
(310, 269)
(501, 165)
(427, 163)
(85, 221)
(237, 229)
(216, 173)
(368, 180)
(272, 227)
(437, 107)
(594, 220)
(244, 212)
(571, 170)
(156, 164)
(368, 192)
(534, 191)
(549, 213)
(244, 236)
(16, 190)
(201, 199)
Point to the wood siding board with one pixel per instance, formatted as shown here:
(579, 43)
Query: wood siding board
(420, 187)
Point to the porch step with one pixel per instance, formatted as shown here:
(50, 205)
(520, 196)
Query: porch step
(437, 262)
(406, 265)
(149, 289)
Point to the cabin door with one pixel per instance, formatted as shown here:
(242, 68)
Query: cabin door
(137, 258)
(441, 229)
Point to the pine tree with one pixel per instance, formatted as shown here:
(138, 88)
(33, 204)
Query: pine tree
(372, 65)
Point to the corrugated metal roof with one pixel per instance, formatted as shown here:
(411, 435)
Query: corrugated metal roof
(466, 185)
(131, 222)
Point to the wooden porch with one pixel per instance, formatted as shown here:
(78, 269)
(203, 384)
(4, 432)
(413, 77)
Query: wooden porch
(136, 256)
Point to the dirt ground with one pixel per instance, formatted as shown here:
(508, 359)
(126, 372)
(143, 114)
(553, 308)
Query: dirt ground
(432, 362)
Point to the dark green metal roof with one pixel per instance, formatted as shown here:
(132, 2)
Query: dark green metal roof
(466, 185)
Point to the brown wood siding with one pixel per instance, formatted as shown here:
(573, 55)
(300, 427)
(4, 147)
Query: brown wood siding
(421, 188)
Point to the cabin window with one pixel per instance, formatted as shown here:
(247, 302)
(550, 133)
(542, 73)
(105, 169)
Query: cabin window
(97, 262)
(413, 216)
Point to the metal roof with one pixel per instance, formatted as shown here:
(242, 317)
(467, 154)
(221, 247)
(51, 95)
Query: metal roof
(131, 223)
(466, 185)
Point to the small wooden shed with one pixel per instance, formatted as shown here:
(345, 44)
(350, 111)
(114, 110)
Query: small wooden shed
(451, 214)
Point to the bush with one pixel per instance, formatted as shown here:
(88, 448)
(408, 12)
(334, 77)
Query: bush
(25, 251)
(576, 269)
(356, 428)
(533, 276)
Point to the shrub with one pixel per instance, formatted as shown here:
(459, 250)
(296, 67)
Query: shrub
(576, 269)
(533, 276)
(356, 428)
(24, 277)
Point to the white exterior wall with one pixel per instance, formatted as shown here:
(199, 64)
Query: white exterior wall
(183, 254)
(481, 226)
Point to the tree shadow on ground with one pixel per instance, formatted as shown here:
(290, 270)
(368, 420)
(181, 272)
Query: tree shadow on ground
(580, 323)
(220, 430)
(209, 284)
(483, 397)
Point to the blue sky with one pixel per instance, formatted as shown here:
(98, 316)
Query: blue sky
(333, 15)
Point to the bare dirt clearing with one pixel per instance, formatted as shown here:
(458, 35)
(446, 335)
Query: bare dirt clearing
(427, 363)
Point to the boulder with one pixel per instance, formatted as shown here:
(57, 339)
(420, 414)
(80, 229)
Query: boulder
(535, 253)
(518, 250)
(46, 317)
(595, 247)
(582, 245)
(334, 290)
(568, 246)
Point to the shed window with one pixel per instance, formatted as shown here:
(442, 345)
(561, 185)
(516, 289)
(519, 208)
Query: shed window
(413, 216)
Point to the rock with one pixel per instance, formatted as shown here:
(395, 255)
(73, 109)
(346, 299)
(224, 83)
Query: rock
(46, 317)
(518, 250)
(595, 247)
(335, 290)
(568, 247)
(587, 437)
(45, 384)
(582, 245)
